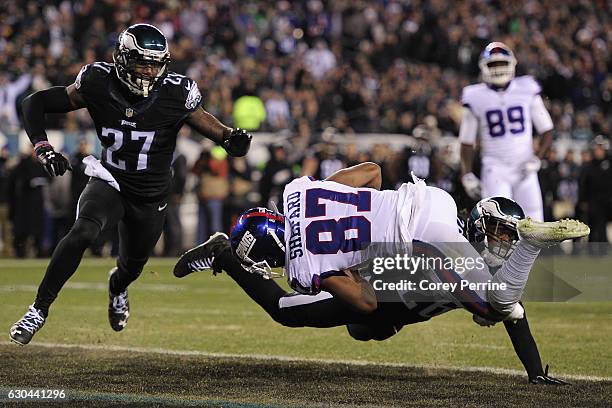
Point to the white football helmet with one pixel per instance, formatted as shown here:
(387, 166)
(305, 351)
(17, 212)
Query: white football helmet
(497, 64)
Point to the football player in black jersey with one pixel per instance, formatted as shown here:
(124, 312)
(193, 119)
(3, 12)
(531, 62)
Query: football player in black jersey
(138, 107)
(491, 227)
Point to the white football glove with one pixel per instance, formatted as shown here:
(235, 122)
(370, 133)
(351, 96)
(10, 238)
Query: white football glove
(471, 185)
(532, 165)
(517, 313)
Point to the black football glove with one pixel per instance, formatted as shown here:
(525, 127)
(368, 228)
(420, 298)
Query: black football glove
(54, 163)
(237, 143)
(547, 380)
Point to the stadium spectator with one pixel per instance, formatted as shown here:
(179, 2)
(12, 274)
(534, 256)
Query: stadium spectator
(212, 170)
(276, 175)
(25, 192)
(58, 203)
(173, 227)
(6, 235)
(596, 192)
(9, 92)
(549, 179)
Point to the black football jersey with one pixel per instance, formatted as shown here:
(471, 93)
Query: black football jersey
(138, 138)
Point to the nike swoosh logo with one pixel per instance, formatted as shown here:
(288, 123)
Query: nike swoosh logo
(162, 207)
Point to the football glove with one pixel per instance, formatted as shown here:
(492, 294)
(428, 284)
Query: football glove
(547, 380)
(54, 163)
(532, 165)
(237, 143)
(471, 185)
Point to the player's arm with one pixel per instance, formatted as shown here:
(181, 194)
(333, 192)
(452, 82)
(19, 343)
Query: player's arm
(351, 288)
(57, 99)
(527, 351)
(366, 174)
(235, 141)
(467, 137)
(543, 125)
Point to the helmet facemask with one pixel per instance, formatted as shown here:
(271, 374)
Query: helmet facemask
(131, 61)
(263, 268)
(493, 222)
(497, 65)
(500, 237)
(258, 245)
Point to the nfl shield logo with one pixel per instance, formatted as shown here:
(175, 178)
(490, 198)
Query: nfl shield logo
(129, 112)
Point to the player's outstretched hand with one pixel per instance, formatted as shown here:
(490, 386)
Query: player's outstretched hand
(54, 163)
(547, 380)
(238, 142)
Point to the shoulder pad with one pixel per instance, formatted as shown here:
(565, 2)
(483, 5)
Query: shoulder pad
(89, 71)
(470, 93)
(184, 88)
(528, 84)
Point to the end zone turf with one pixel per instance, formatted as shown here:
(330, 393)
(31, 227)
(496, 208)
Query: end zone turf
(119, 378)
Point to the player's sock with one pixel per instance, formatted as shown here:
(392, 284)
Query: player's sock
(514, 273)
(64, 262)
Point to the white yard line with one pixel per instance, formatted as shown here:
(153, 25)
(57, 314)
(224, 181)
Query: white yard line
(197, 353)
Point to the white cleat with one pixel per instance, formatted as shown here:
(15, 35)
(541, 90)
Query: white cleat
(546, 234)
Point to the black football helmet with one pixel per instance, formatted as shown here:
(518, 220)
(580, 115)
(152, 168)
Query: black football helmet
(493, 221)
(141, 44)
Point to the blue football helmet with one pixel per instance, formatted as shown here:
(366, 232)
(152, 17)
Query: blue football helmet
(258, 240)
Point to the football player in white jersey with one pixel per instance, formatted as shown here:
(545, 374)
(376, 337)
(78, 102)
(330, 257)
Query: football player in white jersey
(330, 225)
(328, 222)
(501, 113)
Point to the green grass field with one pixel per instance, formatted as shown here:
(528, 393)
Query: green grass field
(185, 338)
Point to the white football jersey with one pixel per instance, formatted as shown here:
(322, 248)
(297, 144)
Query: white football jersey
(328, 227)
(504, 120)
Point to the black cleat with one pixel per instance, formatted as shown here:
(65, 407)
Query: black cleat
(118, 306)
(23, 330)
(201, 258)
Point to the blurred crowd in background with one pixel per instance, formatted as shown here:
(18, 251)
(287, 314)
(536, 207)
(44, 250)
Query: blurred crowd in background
(311, 70)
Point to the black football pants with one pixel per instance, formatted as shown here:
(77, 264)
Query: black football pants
(293, 310)
(102, 207)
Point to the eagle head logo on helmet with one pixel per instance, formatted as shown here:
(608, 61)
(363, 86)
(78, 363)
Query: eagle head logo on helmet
(497, 64)
(258, 240)
(141, 45)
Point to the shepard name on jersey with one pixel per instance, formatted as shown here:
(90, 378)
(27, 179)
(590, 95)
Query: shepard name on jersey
(138, 135)
(332, 226)
(504, 119)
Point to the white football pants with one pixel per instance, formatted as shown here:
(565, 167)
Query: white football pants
(437, 226)
(524, 188)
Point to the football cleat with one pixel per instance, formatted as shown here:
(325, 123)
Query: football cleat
(201, 258)
(546, 379)
(546, 234)
(23, 330)
(118, 306)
